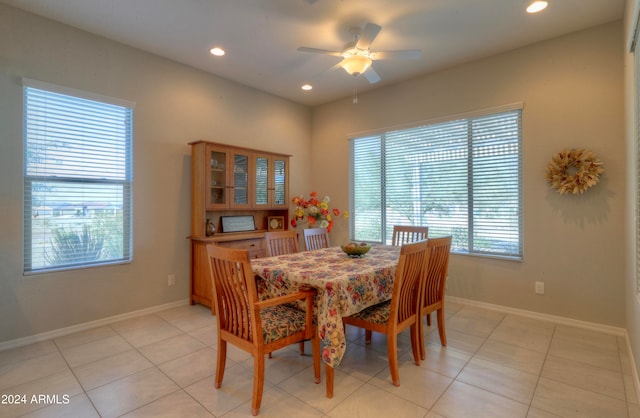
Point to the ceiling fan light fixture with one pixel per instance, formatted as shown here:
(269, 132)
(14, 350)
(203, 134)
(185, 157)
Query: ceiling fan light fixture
(356, 64)
(537, 6)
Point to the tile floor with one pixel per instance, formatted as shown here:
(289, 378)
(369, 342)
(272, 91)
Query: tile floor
(496, 365)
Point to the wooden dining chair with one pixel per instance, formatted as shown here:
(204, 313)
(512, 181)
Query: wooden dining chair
(316, 238)
(403, 234)
(434, 286)
(255, 326)
(281, 242)
(401, 311)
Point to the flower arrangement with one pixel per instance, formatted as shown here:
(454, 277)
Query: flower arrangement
(315, 212)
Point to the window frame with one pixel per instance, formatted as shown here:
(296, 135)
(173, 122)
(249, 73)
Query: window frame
(385, 217)
(123, 187)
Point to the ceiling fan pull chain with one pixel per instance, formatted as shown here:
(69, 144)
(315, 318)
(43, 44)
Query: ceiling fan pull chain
(355, 90)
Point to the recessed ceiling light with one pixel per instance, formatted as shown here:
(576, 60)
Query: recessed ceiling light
(306, 87)
(537, 6)
(217, 51)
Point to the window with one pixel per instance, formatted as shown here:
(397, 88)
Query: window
(77, 178)
(458, 177)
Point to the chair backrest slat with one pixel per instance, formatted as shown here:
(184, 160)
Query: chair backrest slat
(407, 281)
(437, 268)
(234, 291)
(316, 238)
(403, 234)
(281, 242)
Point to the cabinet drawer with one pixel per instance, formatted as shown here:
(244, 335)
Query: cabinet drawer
(254, 246)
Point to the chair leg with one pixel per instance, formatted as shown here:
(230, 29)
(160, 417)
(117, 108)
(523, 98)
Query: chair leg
(367, 336)
(429, 319)
(301, 345)
(392, 353)
(222, 360)
(421, 348)
(258, 383)
(441, 330)
(415, 343)
(329, 376)
(315, 348)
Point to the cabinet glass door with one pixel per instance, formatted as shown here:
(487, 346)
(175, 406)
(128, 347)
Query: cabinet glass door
(240, 180)
(279, 182)
(262, 181)
(217, 179)
(271, 181)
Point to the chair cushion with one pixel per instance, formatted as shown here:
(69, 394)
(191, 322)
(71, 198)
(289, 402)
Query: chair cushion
(378, 314)
(281, 321)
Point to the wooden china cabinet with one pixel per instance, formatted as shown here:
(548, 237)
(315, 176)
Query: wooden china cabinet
(243, 193)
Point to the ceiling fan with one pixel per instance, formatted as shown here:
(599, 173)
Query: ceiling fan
(357, 56)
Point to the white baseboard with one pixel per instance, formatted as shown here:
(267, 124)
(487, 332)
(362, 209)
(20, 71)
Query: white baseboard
(19, 342)
(620, 332)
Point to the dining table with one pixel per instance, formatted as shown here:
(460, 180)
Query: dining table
(345, 285)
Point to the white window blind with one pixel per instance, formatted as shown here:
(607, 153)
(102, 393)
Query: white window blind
(77, 179)
(459, 177)
(367, 197)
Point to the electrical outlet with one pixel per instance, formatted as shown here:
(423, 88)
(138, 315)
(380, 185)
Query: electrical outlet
(539, 288)
(172, 280)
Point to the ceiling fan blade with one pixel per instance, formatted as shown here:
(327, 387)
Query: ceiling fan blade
(399, 54)
(371, 76)
(369, 33)
(320, 51)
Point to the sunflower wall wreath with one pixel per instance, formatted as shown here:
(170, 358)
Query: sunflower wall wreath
(574, 171)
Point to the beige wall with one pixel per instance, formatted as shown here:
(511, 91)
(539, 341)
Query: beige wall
(571, 87)
(175, 104)
(572, 90)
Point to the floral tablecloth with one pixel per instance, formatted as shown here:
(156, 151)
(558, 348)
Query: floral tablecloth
(345, 286)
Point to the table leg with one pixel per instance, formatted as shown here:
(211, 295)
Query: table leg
(329, 377)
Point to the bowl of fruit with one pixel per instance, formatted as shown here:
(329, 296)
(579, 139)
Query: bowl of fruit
(356, 249)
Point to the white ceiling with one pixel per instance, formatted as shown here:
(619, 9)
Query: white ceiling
(261, 36)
